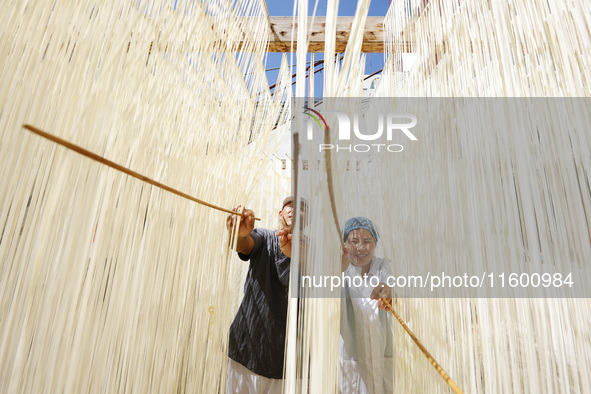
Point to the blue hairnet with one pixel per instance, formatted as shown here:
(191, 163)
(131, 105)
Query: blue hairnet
(357, 223)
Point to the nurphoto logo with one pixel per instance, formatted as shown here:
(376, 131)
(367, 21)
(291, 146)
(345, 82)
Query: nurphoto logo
(391, 123)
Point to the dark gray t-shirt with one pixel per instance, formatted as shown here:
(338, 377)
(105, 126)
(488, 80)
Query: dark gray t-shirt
(257, 335)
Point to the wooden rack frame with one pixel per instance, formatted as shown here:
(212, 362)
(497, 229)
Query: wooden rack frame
(283, 30)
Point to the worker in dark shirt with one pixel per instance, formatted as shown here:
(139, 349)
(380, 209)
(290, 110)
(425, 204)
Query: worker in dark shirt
(257, 335)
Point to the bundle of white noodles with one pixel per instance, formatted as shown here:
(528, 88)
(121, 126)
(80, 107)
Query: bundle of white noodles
(108, 284)
(498, 202)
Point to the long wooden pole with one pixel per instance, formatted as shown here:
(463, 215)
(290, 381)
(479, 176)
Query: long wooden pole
(443, 374)
(122, 169)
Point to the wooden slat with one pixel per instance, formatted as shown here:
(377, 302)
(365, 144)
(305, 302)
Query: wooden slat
(283, 31)
(318, 46)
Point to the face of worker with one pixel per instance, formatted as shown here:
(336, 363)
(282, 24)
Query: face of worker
(361, 246)
(286, 215)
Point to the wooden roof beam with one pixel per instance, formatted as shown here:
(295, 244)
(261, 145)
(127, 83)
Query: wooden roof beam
(282, 31)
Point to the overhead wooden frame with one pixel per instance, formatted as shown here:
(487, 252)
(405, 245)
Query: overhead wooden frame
(283, 30)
